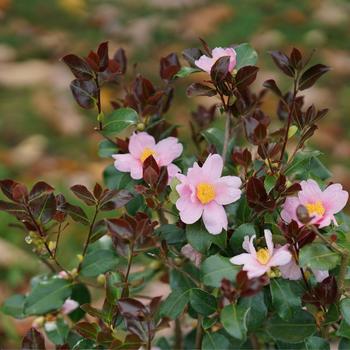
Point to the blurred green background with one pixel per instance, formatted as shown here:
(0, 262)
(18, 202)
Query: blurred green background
(44, 135)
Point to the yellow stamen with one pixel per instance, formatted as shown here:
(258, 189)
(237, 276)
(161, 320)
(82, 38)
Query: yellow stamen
(146, 153)
(263, 256)
(315, 208)
(205, 192)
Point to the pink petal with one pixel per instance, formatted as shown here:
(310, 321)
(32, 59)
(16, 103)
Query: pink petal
(172, 171)
(291, 271)
(214, 218)
(310, 192)
(320, 275)
(246, 245)
(251, 246)
(69, 305)
(139, 141)
(205, 63)
(227, 189)
(127, 163)
(212, 167)
(242, 259)
(280, 257)
(268, 239)
(189, 212)
(288, 212)
(325, 221)
(334, 198)
(255, 269)
(167, 150)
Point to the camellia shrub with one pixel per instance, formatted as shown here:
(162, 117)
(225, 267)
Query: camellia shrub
(242, 225)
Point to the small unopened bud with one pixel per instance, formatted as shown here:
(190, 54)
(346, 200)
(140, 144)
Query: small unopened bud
(80, 257)
(303, 215)
(38, 322)
(178, 261)
(52, 245)
(74, 272)
(140, 126)
(101, 279)
(155, 265)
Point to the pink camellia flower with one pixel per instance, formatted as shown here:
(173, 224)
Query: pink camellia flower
(69, 306)
(203, 192)
(206, 63)
(321, 205)
(256, 263)
(143, 145)
(292, 271)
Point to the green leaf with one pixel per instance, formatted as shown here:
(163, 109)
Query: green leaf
(318, 169)
(199, 238)
(301, 163)
(269, 183)
(47, 295)
(316, 343)
(116, 180)
(106, 149)
(344, 344)
(215, 137)
(119, 120)
(295, 330)
(239, 233)
(215, 341)
(345, 309)
(318, 256)
(186, 71)
(343, 330)
(81, 294)
(257, 310)
(113, 293)
(202, 302)
(217, 267)
(245, 55)
(285, 300)
(57, 331)
(175, 303)
(234, 318)
(97, 262)
(14, 306)
(171, 233)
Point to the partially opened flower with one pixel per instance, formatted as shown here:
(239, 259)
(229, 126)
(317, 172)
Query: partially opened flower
(292, 272)
(203, 193)
(69, 306)
(321, 205)
(143, 145)
(206, 63)
(257, 263)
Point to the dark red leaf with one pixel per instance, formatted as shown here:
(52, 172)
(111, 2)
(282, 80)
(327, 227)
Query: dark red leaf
(132, 308)
(102, 53)
(220, 70)
(169, 66)
(39, 189)
(311, 75)
(97, 191)
(245, 77)
(151, 171)
(33, 340)
(85, 92)
(282, 62)
(7, 186)
(198, 89)
(93, 61)
(79, 67)
(120, 58)
(87, 330)
(296, 59)
(206, 47)
(20, 193)
(76, 213)
(84, 194)
(120, 227)
(271, 85)
(191, 55)
(44, 207)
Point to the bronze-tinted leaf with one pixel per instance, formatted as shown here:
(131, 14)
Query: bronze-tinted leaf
(169, 66)
(33, 340)
(102, 53)
(311, 75)
(220, 70)
(283, 63)
(198, 89)
(79, 67)
(84, 194)
(120, 58)
(85, 92)
(245, 77)
(39, 189)
(271, 85)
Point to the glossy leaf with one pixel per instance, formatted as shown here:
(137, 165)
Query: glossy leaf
(173, 306)
(318, 256)
(84, 92)
(97, 262)
(311, 75)
(234, 319)
(202, 302)
(78, 66)
(217, 267)
(119, 120)
(245, 55)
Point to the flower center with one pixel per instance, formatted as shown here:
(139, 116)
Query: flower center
(146, 153)
(315, 208)
(263, 256)
(205, 192)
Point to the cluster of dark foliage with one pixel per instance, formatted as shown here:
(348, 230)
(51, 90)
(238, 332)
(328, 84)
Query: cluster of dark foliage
(230, 309)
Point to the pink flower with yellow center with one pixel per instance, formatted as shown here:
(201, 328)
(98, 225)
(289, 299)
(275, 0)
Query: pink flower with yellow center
(143, 145)
(321, 205)
(257, 263)
(206, 63)
(203, 193)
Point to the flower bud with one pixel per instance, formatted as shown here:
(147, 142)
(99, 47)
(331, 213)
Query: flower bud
(101, 279)
(303, 215)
